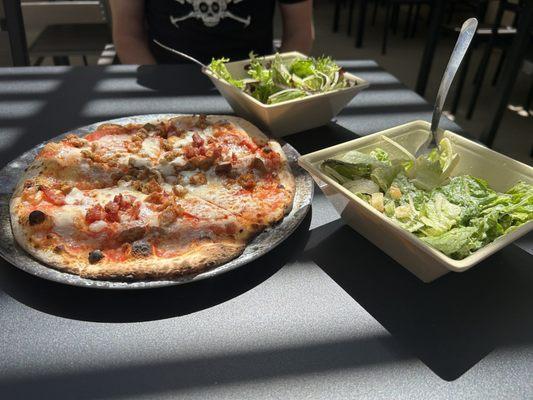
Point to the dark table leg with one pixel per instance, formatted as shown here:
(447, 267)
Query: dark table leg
(361, 23)
(511, 69)
(16, 33)
(431, 45)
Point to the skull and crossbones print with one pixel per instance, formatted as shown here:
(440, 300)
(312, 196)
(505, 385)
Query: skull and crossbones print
(210, 12)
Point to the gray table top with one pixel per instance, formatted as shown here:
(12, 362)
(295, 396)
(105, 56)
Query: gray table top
(325, 315)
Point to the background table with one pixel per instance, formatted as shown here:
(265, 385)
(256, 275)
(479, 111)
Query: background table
(325, 315)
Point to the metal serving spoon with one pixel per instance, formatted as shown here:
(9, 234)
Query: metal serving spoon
(468, 30)
(179, 53)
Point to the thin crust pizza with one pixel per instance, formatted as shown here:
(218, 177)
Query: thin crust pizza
(159, 200)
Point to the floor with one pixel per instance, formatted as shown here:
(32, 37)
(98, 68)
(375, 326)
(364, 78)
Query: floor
(515, 136)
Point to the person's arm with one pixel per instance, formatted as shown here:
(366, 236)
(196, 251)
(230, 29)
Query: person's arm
(298, 29)
(129, 32)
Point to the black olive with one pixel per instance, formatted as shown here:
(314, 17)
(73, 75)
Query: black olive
(149, 127)
(36, 217)
(95, 256)
(141, 248)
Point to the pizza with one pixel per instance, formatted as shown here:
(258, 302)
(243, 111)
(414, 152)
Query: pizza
(159, 200)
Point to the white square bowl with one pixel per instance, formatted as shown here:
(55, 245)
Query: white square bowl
(289, 116)
(422, 260)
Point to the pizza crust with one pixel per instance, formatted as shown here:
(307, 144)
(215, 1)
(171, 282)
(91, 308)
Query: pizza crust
(202, 257)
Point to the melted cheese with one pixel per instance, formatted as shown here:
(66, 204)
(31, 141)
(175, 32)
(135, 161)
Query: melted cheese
(166, 168)
(148, 216)
(68, 153)
(179, 162)
(64, 220)
(139, 162)
(75, 196)
(103, 196)
(150, 147)
(97, 226)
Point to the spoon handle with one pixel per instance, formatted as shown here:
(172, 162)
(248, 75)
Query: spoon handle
(466, 35)
(179, 53)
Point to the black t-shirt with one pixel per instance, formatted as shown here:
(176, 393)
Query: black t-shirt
(211, 28)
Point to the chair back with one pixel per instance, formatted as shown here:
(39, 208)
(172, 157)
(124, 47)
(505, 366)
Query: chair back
(106, 12)
(5, 47)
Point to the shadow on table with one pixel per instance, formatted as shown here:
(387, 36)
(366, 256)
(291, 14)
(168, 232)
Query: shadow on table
(320, 138)
(202, 373)
(450, 324)
(195, 84)
(148, 304)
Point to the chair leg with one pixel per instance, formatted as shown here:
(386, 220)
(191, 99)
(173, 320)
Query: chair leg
(386, 28)
(38, 62)
(451, 10)
(529, 99)
(430, 15)
(499, 67)
(395, 17)
(375, 12)
(480, 72)
(361, 20)
(477, 88)
(350, 16)
(408, 20)
(336, 15)
(415, 22)
(84, 58)
(461, 82)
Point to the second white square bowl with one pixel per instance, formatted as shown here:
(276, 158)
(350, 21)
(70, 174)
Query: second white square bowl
(422, 260)
(289, 116)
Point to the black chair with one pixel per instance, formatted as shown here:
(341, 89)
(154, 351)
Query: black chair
(492, 36)
(392, 10)
(65, 40)
(392, 18)
(5, 51)
(13, 45)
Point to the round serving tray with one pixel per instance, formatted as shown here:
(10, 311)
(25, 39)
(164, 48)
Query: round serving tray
(263, 243)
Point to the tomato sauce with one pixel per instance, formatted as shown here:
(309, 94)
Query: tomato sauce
(53, 196)
(117, 254)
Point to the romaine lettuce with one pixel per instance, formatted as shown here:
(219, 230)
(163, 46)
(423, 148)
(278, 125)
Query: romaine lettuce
(456, 215)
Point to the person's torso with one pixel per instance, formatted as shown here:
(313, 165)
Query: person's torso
(210, 28)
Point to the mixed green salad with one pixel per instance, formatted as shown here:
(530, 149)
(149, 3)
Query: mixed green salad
(279, 80)
(456, 215)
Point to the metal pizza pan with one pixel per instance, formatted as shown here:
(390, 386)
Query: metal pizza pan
(262, 244)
